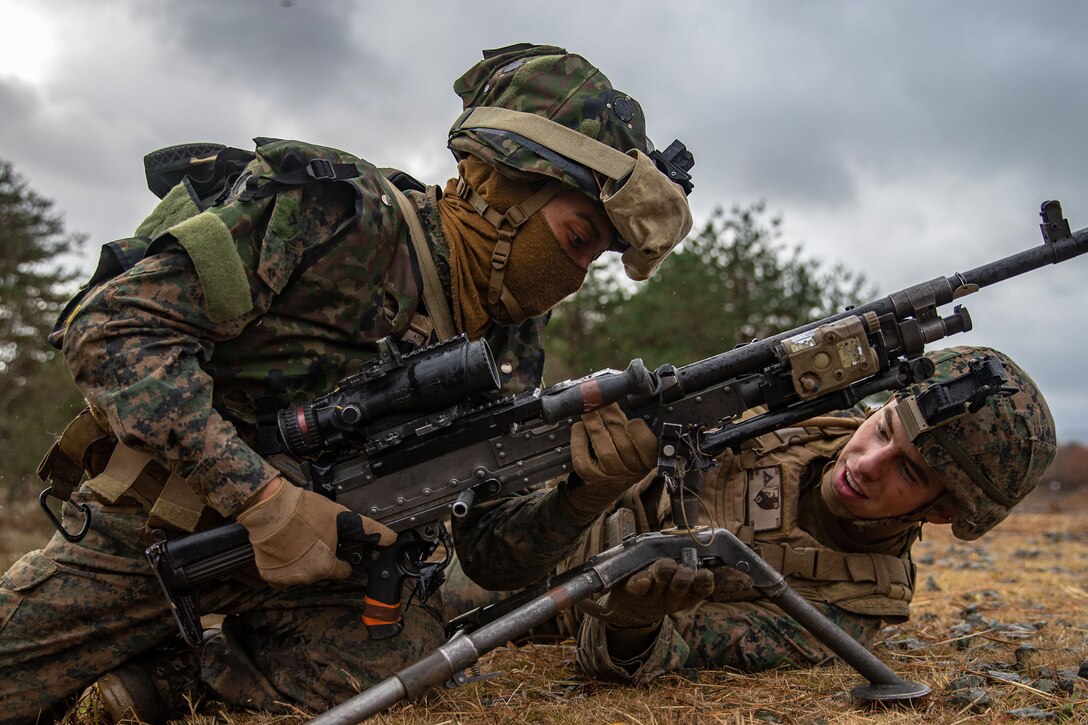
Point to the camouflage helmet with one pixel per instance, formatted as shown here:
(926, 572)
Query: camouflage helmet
(989, 459)
(546, 81)
(538, 113)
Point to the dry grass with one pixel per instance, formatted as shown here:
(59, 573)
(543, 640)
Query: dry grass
(1013, 605)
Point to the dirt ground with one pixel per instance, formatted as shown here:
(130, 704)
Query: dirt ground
(999, 631)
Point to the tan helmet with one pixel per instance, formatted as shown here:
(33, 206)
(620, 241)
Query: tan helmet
(994, 450)
(537, 112)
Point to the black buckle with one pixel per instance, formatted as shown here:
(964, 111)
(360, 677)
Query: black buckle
(320, 170)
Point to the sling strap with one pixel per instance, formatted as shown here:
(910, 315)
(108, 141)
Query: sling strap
(434, 296)
(63, 464)
(128, 474)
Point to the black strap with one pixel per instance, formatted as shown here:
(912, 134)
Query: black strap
(258, 187)
(268, 438)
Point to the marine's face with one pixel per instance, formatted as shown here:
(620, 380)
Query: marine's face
(880, 473)
(580, 224)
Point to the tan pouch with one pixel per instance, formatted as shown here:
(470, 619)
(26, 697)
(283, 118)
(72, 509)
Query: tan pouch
(650, 213)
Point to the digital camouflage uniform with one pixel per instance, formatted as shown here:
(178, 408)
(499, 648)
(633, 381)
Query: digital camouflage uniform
(510, 543)
(768, 496)
(254, 304)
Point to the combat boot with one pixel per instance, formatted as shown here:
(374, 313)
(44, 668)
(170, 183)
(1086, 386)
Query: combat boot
(159, 685)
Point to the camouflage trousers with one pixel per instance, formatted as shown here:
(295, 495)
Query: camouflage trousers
(460, 594)
(70, 613)
(744, 636)
(756, 636)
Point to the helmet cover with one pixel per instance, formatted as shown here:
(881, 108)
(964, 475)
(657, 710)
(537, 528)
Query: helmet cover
(1011, 439)
(547, 81)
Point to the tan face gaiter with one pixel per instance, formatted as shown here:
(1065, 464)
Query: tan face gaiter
(538, 274)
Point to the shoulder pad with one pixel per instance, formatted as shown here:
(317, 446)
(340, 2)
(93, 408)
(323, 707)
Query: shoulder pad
(206, 169)
(402, 180)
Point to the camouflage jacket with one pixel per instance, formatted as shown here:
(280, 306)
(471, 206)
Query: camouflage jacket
(768, 495)
(261, 301)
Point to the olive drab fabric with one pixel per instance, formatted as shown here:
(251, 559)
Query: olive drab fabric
(1008, 445)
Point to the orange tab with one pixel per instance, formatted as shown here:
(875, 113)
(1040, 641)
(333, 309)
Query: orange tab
(378, 613)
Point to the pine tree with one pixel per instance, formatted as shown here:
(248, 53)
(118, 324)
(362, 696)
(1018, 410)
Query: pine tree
(731, 282)
(36, 393)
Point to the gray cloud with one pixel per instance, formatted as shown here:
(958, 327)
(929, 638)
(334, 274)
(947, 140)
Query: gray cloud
(905, 139)
(300, 51)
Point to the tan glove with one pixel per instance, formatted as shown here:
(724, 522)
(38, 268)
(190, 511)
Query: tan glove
(610, 454)
(294, 536)
(731, 585)
(664, 588)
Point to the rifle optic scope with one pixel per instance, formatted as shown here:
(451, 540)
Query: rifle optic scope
(424, 381)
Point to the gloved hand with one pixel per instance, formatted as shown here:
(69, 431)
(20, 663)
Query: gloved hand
(663, 588)
(294, 535)
(731, 585)
(610, 454)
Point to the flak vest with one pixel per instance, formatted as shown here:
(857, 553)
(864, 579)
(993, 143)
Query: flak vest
(757, 494)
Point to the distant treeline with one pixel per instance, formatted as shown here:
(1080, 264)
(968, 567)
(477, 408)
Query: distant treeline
(1069, 469)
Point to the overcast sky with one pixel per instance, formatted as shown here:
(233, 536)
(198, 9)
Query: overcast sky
(908, 140)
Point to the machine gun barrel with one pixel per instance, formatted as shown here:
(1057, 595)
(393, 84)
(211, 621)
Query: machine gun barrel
(917, 302)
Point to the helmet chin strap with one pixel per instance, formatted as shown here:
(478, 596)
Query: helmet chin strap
(507, 226)
(914, 517)
(917, 516)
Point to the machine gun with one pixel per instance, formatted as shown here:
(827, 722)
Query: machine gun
(411, 464)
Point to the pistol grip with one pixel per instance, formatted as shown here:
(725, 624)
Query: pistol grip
(182, 599)
(385, 579)
(383, 621)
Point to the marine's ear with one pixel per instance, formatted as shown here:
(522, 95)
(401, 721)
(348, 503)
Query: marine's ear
(942, 511)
